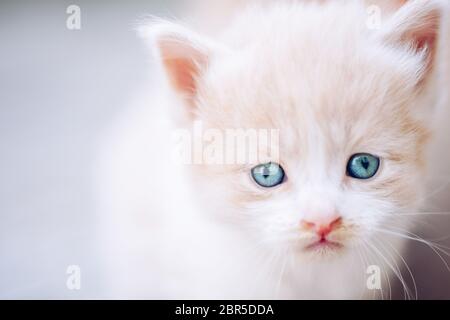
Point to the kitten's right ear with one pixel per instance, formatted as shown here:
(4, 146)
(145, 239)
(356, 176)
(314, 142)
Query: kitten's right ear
(416, 25)
(183, 54)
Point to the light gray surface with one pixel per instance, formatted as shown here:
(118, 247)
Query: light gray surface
(58, 90)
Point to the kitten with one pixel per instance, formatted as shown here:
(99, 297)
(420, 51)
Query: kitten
(352, 107)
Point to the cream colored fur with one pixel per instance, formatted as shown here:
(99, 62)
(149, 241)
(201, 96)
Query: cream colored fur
(334, 88)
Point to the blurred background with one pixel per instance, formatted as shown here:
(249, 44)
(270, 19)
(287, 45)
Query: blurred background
(59, 89)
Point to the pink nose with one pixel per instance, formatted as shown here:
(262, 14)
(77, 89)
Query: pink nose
(322, 225)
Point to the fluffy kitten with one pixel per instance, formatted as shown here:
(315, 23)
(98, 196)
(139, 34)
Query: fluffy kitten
(334, 86)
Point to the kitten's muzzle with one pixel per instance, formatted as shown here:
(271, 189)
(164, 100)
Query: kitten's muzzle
(323, 226)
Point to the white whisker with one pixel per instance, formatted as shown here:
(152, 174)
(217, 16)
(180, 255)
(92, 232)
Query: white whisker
(433, 247)
(397, 272)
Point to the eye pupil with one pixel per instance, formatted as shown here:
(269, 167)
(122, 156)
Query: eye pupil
(266, 172)
(268, 175)
(363, 166)
(365, 163)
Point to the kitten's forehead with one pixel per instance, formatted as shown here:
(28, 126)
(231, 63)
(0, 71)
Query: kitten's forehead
(307, 63)
(321, 78)
(290, 88)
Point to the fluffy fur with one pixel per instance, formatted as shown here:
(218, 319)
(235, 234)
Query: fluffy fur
(333, 87)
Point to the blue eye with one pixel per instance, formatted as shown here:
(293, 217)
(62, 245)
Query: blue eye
(268, 175)
(363, 166)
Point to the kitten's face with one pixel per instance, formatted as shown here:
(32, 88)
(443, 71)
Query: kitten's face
(330, 97)
(325, 115)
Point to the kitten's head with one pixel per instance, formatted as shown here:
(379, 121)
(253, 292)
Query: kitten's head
(351, 104)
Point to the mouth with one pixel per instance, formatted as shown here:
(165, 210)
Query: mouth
(323, 244)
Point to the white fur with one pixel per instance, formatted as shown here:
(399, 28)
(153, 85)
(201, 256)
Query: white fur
(308, 70)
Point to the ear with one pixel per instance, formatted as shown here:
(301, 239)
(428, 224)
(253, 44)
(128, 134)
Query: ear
(183, 55)
(388, 6)
(416, 26)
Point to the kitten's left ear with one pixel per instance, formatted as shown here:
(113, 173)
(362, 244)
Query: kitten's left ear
(184, 56)
(416, 26)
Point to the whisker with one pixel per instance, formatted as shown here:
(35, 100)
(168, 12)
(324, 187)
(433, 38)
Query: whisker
(387, 276)
(358, 251)
(283, 267)
(436, 190)
(432, 246)
(406, 289)
(366, 259)
(424, 213)
(441, 247)
(404, 262)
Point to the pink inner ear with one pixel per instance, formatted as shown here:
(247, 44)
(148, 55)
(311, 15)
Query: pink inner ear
(182, 73)
(427, 39)
(417, 25)
(398, 3)
(182, 61)
(425, 36)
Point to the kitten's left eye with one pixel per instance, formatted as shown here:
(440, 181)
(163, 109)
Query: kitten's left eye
(268, 175)
(363, 166)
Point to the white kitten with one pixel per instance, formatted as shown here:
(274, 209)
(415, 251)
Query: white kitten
(353, 107)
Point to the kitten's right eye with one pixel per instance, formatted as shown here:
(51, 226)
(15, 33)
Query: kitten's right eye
(363, 166)
(268, 175)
